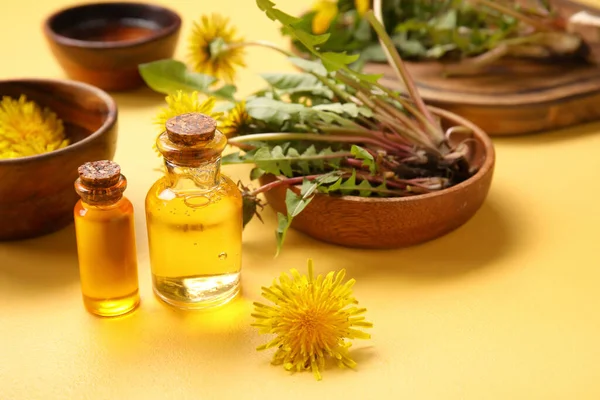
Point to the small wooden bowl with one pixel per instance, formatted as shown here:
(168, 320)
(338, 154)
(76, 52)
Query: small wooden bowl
(36, 193)
(380, 223)
(103, 43)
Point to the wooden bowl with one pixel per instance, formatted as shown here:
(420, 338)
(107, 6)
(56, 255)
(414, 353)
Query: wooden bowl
(103, 43)
(36, 193)
(380, 223)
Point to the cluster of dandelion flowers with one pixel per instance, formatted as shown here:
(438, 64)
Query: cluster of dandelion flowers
(182, 102)
(312, 319)
(214, 47)
(26, 129)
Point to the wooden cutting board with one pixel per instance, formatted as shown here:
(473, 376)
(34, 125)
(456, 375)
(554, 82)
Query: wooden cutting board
(517, 97)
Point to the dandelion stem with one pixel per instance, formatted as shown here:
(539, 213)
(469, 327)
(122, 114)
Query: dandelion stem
(261, 43)
(266, 137)
(399, 67)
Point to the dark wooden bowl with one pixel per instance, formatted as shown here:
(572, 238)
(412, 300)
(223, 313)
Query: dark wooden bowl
(380, 223)
(103, 43)
(36, 193)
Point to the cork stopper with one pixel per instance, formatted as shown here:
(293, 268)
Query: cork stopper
(100, 182)
(191, 129)
(101, 174)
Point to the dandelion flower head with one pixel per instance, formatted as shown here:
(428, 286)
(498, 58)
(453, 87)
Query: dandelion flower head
(312, 319)
(327, 10)
(214, 47)
(26, 129)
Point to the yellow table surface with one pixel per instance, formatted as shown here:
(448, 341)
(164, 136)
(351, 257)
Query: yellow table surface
(506, 307)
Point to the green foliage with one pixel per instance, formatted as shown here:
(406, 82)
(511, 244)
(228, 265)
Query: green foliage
(332, 182)
(332, 61)
(167, 76)
(366, 158)
(349, 186)
(288, 116)
(296, 203)
(329, 129)
(425, 29)
(285, 160)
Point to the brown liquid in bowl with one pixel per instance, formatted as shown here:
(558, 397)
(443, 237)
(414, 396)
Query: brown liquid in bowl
(111, 30)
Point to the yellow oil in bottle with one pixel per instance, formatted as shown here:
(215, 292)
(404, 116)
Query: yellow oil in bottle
(195, 242)
(194, 218)
(107, 258)
(106, 245)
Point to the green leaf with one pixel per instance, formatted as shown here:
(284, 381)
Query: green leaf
(225, 92)
(297, 84)
(346, 108)
(256, 173)
(446, 20)
(167, 76)
(272, 111)
(278, 161)
(364, 188)
(366, 158)
(309, 65)
(232, 158)
(346, 187)
(349, 187)
(290, 80)
(295, 204)
(293, 26)
(273, 161)
(269, 8)
(283, 224)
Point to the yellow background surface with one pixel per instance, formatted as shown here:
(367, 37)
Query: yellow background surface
(506, 307)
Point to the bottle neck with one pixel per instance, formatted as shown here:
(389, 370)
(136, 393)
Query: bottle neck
(204, 176)
(102, 206)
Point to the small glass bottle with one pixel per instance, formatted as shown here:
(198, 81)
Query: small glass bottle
(106, 245)
(194, 218)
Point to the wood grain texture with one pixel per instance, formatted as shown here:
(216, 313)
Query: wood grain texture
(516, 97)
(111, 64)
(381, 223)
(36, 193)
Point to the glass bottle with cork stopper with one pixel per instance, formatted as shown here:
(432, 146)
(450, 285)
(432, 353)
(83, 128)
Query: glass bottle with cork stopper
(194, 218)
(106, 246)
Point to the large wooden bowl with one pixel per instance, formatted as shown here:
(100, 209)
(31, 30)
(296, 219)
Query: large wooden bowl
(103, 43)
(36, 193)
(395, 222)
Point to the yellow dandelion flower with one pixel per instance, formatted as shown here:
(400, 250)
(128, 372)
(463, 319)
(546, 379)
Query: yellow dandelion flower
(214, 47)
(362, 6)
(326, 10)
(182, 102)
(312, 319)
(236, 121)
(26, 129)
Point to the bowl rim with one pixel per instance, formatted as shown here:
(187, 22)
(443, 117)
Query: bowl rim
(487, 165)
(86, 44)
(110, 121)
